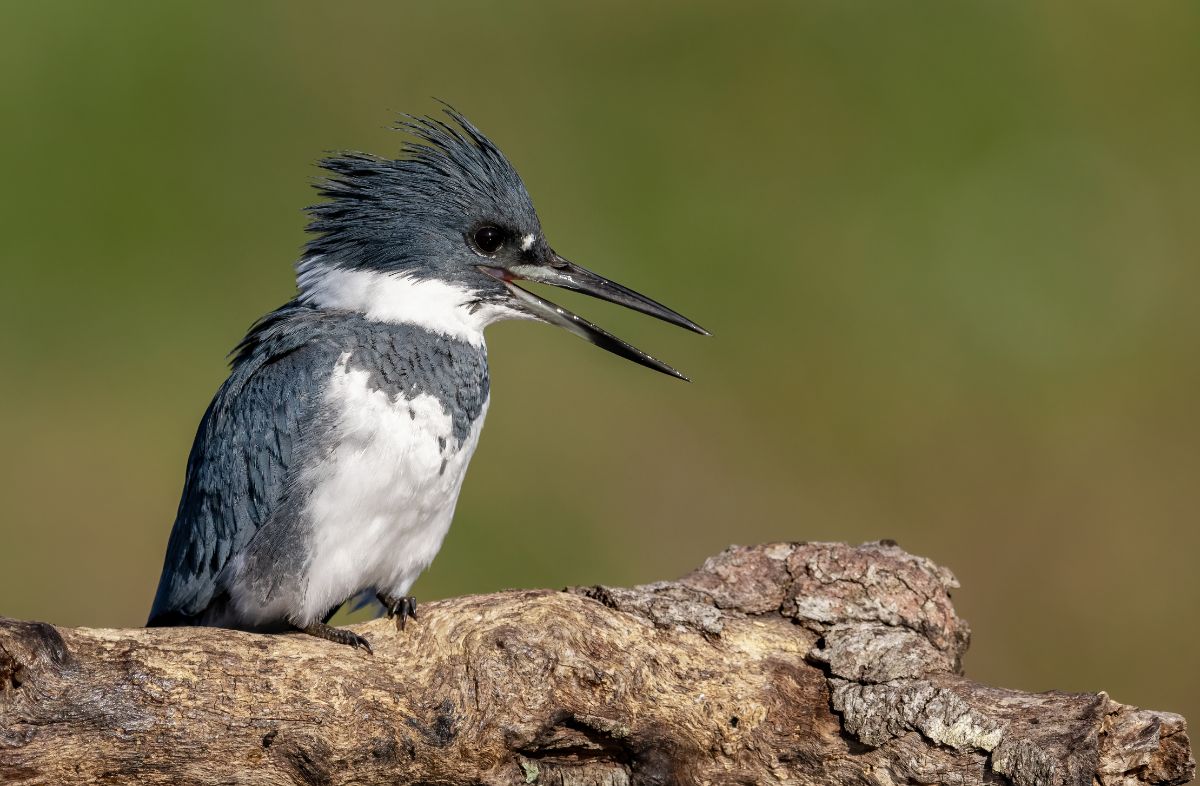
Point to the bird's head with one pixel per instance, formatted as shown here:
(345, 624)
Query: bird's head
(439, 236)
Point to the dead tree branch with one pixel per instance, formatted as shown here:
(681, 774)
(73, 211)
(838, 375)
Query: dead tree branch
(784, 663)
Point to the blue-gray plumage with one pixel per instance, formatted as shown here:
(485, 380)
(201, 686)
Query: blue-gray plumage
(329, 462)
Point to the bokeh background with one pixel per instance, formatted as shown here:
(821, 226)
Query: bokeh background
(948, 252)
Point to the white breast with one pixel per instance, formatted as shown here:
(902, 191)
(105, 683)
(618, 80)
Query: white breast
(383, 498)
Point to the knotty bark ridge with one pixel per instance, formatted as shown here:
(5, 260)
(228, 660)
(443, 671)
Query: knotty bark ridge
(815, 663)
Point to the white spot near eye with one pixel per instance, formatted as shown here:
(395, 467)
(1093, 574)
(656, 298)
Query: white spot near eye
(527, 242)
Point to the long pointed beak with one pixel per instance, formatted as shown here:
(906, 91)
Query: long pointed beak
(567, 275)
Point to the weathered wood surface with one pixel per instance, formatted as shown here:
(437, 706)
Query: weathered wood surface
(783, 663)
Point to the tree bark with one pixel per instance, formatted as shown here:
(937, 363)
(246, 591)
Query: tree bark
(786, 663)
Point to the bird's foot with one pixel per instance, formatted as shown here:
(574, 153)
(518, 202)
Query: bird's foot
(399, 608)
(338, 635)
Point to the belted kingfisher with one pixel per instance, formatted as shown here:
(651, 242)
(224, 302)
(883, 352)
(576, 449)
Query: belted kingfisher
(328, 465)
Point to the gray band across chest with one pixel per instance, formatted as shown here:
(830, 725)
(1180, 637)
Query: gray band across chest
(408, 361)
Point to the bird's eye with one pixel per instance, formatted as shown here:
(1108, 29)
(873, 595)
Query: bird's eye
(488, 239)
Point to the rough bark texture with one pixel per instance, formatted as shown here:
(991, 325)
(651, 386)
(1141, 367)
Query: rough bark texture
(786, 663)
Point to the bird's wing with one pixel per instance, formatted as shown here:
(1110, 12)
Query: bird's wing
(243, 457)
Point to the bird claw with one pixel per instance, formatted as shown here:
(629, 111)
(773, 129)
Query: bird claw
(338, 636)
(358, 642)
(399, 608)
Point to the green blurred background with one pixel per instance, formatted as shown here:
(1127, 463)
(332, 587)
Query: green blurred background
(947, 250)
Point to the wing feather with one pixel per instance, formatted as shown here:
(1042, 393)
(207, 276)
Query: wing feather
(243, 457)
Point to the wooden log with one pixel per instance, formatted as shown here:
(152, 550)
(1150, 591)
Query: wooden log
(785, 663)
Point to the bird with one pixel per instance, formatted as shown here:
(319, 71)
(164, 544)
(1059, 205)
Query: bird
(327, 467)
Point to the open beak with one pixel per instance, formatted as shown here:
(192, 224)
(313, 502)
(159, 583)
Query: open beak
(567, 275)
